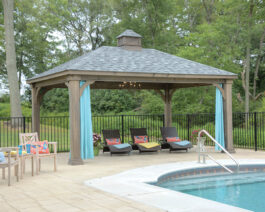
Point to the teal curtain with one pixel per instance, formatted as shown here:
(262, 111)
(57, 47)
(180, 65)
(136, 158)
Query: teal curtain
(219, 119)
(86, 132)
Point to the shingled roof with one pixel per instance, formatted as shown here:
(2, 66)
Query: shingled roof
(129, 33)
(134, 60)
(116, 59)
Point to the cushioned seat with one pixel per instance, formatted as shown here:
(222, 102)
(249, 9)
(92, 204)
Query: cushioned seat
(168, 135)
(141, 141)
(112, 143)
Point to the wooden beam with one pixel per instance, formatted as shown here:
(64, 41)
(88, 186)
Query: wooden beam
(88, 82)
(52, 82)
(153, 79)
(171, 92)
(161, 94)
(220, 89)
(116, 85)
(106, 74)
(35, 109)
(112, 82)
(37, 96)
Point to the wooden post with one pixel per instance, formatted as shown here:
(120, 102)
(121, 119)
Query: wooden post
(74, 111)
(167, 97)
(228, 122)
(167, 108)
(35, 109)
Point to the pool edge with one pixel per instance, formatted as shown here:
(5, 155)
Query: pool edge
(132, 184)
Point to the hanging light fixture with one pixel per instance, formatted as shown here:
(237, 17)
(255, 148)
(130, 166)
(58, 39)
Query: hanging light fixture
(129, 85)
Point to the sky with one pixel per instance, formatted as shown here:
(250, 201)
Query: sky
(4, 89)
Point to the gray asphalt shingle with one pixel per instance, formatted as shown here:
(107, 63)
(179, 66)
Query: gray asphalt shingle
(116, 59)
(129, 33)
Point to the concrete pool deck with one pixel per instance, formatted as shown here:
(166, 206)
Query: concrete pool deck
(65, 189)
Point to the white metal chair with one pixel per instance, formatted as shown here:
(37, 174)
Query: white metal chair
(32, 138)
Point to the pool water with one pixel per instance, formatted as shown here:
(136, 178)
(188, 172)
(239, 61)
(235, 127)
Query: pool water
(244, 190)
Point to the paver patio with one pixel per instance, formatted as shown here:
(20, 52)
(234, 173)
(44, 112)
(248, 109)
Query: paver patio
(65, 191)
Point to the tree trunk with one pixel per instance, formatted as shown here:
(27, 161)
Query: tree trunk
(251, 7)
(258, 64)
(11, 65)
(209, 10)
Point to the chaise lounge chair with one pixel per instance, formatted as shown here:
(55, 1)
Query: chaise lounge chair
(171, 140)
(141, 141)
(112, 143)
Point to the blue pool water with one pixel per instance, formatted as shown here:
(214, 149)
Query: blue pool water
(244, 190)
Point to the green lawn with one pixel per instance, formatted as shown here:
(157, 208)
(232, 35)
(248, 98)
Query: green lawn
(10, 136)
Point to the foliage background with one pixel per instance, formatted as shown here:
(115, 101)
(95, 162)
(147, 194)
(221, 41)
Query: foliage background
(51, 32)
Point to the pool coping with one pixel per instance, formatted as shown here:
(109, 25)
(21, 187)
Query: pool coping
(132, 184)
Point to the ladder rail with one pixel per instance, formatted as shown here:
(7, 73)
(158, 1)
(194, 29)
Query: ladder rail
(217, 143)
(227, 169)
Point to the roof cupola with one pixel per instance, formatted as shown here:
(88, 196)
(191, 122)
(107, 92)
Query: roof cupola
(130, 40)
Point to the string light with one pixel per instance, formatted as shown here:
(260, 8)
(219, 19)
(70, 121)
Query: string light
(130, 85)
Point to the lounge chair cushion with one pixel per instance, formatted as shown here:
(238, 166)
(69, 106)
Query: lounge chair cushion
(183, 143)
(140, 139)
(2, 157)
(149, 145)
(180, 145)
(113, 141)
(43, 147)
(173, 139)
(14, 153)
(121, 146)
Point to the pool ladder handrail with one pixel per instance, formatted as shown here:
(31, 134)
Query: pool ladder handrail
(201, 147)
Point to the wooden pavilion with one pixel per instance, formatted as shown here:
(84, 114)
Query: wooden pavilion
(129, 66)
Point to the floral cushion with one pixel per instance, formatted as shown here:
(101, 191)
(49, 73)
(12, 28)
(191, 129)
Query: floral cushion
(140, 139)
(113, 141)
(43, 147)
(173, 139)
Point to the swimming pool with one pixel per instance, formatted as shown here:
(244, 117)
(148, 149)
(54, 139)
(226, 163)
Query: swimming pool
(244, 190)
(135, 184)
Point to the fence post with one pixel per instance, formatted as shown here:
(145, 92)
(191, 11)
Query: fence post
(24, 124)
(122, 128)
(188, 126)
(255, 130)
(163, 117)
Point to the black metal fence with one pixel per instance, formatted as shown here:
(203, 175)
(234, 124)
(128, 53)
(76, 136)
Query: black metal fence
(248, 128)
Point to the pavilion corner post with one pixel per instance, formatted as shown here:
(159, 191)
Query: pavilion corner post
(37, 96)
(167, 97)
(167, 109)
(36, 109)
(74, 112)
(228, 122)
